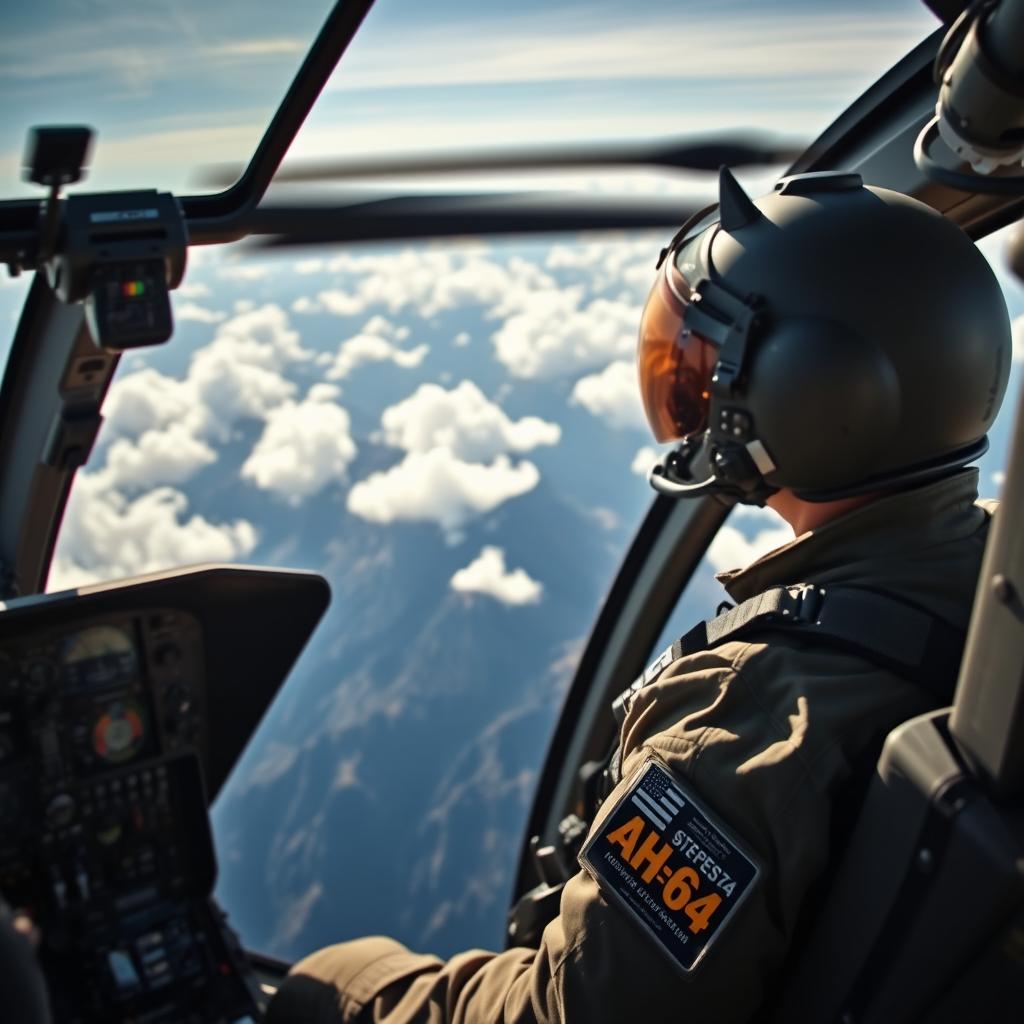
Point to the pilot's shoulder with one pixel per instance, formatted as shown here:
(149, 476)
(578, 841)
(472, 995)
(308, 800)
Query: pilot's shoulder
(749, 704)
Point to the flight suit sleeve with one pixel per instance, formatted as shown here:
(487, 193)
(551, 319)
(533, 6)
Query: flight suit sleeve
(596, 963)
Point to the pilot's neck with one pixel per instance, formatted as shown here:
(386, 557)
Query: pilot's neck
(804, 516)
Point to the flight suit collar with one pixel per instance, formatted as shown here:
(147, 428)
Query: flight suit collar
(891, 526)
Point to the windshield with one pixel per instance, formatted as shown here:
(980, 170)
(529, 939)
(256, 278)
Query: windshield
(451, 434)
(168, 88)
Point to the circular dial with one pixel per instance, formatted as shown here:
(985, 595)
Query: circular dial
(120, 732)
(100, 656)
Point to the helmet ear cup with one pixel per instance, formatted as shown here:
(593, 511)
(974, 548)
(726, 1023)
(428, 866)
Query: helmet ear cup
(825, 402)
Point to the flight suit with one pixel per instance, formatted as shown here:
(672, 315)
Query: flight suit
(765, 732)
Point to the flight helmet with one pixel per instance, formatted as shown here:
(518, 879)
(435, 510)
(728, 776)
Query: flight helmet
(831, 337)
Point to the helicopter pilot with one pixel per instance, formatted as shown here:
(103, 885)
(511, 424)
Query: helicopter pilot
(838, 353)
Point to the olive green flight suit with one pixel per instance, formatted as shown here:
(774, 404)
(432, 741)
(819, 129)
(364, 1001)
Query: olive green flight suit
(764, 733)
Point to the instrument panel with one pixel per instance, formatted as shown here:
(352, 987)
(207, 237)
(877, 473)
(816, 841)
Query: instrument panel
(123, 708)
(104, 836)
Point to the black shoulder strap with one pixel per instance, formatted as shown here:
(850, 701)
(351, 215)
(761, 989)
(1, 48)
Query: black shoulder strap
(885, 630)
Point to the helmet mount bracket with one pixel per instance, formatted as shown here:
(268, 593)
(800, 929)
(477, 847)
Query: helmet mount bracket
(727, 321)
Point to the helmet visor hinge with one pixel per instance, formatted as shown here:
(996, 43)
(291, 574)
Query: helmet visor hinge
(721, 317)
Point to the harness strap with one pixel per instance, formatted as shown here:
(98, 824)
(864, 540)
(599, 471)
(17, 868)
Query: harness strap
(884, 630)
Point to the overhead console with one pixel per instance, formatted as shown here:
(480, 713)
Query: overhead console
(122, 708)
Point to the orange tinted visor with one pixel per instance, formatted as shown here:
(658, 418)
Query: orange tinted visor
(675, 365)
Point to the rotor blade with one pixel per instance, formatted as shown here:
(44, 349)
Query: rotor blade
(447, 216)
(694, 155)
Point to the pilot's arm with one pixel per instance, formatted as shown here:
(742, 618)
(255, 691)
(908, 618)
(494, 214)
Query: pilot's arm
(752, 766)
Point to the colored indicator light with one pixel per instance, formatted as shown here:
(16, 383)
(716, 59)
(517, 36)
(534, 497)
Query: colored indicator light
(130, 289)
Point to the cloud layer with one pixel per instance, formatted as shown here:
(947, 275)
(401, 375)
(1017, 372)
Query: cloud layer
(457, 466)
(464, 421)
(106, 535)
(376, 343)
(487, 574)
(304, 446)
(612, 395)
(437, 486)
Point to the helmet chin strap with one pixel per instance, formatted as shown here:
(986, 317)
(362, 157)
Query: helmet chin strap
(663, 484)
(695, 469)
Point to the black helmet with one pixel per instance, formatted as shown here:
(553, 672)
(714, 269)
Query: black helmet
(831, 338)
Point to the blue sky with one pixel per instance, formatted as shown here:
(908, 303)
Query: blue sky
(177, 86)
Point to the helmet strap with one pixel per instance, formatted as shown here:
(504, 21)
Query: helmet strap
(698, 467)
(721, 461)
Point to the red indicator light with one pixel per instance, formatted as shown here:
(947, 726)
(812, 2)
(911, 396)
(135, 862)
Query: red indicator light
(130, 289)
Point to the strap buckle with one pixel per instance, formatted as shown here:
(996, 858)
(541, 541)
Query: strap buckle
(808, 599)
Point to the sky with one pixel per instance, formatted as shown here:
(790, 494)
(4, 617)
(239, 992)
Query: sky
(171, 88)
(451, 433)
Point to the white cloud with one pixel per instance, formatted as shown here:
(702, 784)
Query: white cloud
(193, 311)
(304, 304)
(429, 281)
(461, 340)
(311, 266)
(731, 549)
(193, 289)
(623, 263)
(341, 303)
(556, 334)
(165, 456)
(105, 535)
(243, 271)
(295, 917)
(487, 574)
(323, 392)
(265, 334)
(239, 374)
(304, 447)
(644, 459)
(612, 395)
(144, 401)
(376, 343)
(163, 427)
(276, 760)
(229, 389)
(1018, 339)
(346, 775)
(437, 486)
(464, 421)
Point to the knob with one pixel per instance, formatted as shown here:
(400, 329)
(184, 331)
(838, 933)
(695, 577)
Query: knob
(61, 810)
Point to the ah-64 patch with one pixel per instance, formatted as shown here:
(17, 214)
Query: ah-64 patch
(670, 864)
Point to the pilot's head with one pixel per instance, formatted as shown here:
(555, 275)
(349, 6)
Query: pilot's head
(831, 340)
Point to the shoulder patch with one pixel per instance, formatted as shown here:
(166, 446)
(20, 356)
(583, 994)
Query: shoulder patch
(670, 864)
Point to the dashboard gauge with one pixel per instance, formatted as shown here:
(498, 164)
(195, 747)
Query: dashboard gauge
(97, 657)
(119, 733)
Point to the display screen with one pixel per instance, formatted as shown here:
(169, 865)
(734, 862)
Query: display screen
(99, 657)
